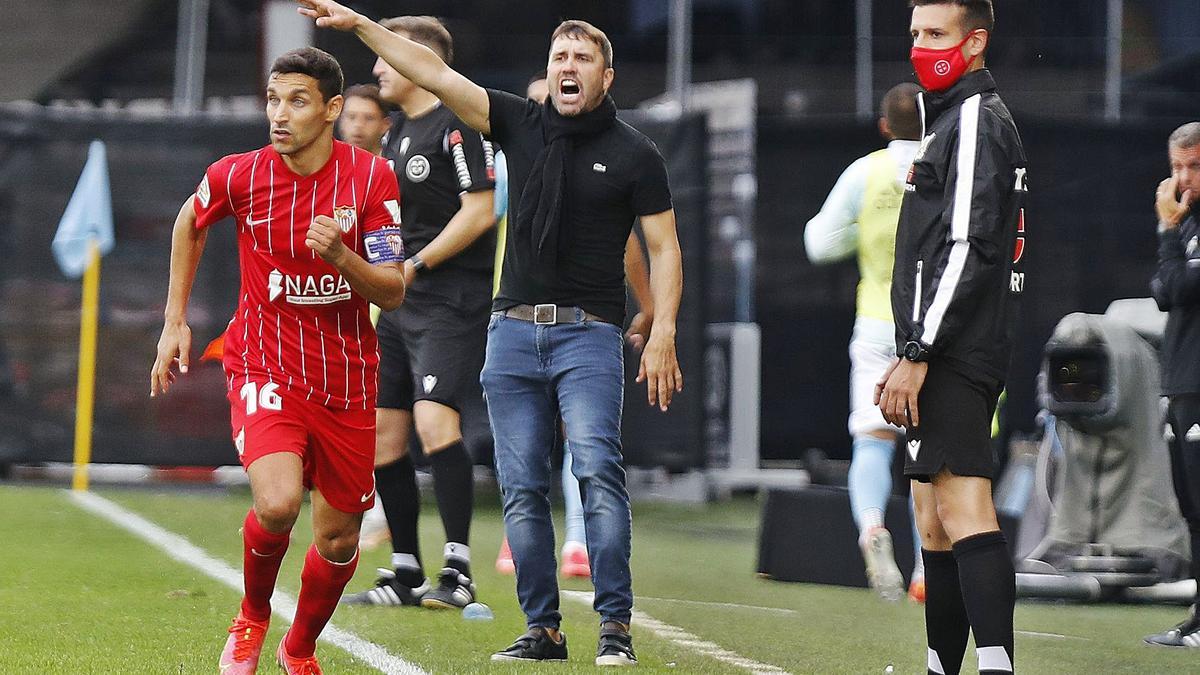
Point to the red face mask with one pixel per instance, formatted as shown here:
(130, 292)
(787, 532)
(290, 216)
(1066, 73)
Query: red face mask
(939, 69)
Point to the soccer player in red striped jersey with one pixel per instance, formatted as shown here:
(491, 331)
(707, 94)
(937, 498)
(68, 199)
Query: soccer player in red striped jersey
(318, 238)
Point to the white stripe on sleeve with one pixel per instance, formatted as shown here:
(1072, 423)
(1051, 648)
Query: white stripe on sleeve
(960, 220)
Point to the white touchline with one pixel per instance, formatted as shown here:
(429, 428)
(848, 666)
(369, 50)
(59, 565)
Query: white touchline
(722, 605)
(283, 604)
(1056, 636)
(685, 639)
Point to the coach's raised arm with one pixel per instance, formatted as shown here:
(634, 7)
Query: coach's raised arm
(412, 60)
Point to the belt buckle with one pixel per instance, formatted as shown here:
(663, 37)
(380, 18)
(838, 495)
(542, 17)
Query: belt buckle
(545, 315)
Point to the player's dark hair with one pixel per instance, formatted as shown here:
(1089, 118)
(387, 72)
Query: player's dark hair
(978, 15)
(899, 108)
(537, 77)
(369, 92)
(582, 30)
(425, 30)
(1186, 136)
(315, 63)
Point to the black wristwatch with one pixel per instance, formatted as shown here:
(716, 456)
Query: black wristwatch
(915, 351)
(418, 264)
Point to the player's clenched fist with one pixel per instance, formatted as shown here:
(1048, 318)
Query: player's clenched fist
(325, 237)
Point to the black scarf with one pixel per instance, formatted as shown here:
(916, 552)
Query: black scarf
(538, 228)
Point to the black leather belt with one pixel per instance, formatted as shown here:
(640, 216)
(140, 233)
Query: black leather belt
(548, 315)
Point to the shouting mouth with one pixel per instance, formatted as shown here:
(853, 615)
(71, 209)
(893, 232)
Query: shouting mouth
(569, 90)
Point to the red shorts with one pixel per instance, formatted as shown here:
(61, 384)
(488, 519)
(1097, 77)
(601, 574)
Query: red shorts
(336, 446)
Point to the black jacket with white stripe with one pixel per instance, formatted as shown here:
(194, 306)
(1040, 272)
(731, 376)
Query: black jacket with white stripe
(960, 240)
(1176, 288)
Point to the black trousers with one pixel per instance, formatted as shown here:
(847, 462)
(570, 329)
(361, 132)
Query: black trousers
(1183, 416)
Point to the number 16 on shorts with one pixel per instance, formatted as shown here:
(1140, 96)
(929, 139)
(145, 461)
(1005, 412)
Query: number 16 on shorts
(266, 397)
(260, 423)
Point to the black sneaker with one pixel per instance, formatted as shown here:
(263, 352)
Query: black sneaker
(535, 645)
(455, 590)
(1186, 634)
(616, 646)
(389, 591)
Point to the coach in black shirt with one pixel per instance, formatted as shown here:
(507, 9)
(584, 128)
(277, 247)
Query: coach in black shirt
(1176, 288)
(554, 339)
(616, 174)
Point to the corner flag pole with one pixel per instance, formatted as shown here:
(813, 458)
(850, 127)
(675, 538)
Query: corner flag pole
(85, 397)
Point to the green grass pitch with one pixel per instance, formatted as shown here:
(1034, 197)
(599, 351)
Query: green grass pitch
(82, 596)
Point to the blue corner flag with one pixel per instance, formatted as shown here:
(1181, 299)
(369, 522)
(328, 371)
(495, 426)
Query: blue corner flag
(88, 216)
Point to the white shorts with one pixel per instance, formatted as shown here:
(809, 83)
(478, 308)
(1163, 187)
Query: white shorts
(872, 348)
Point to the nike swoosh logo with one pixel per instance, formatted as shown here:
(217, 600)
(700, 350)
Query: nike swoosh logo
(260, 221)
(367, 496)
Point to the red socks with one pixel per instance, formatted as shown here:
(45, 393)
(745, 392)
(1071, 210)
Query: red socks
(321, 586)
(261, 557)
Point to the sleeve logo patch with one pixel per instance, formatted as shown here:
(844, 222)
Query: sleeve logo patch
(417, 168)
(385, 245)
(393, 208)
(203, 193)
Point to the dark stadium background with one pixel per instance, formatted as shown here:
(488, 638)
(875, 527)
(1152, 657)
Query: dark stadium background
(1091, 226)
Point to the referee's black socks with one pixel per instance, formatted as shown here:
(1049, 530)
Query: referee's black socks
(946, 623)
(454, 487)
(396, 485)
(989, 591)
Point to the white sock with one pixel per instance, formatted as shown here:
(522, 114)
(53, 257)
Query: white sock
(456, 550)
(406, 560)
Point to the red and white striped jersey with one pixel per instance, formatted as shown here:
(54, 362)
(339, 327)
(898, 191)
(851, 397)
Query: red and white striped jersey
(298, 323)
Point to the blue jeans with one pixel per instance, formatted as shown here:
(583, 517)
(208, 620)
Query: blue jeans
(533, 373)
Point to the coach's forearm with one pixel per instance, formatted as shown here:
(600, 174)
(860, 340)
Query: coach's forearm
(666, 285)
(427, 70)
(382, 285)
(411, 59)
(187, 245)
(637, 275)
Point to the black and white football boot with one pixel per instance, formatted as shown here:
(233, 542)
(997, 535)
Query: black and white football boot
(389, 592)
(455, 590)
(1185, 634)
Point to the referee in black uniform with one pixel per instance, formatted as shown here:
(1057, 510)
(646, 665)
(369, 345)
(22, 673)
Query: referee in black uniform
(554, 339)
(1176, 288)
(956, 279)
(447, 181)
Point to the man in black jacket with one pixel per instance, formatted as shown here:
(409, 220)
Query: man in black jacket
(957, 274)
(1176, 288)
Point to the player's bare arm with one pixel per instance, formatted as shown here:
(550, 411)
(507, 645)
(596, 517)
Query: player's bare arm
(637, 275)
(175, 343)
(473, 218)
(412, 60)
(659, 366)
(381, 284)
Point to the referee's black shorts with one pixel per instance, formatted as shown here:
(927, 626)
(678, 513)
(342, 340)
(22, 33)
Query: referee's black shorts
(395, 375)
(956, 426)
(444, 322)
